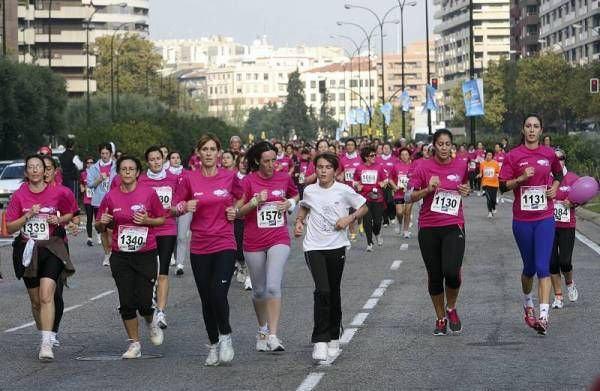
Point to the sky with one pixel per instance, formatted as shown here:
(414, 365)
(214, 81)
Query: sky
(284, 22)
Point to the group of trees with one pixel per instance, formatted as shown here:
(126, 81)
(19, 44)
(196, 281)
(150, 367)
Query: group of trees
(545, 84)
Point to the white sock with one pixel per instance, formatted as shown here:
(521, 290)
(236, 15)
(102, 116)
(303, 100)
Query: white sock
(527, 300)
(264, 329)
(544, 311)
(46, 336)
(53, 335)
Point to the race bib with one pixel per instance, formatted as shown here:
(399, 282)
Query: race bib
(368, 177)
(37, 228)
(402, 181)
(533, 198)
(301, 178)
(131, 238)
(349, 174)
(489, 172)
(165, 194)
(89, 193)
(106, 185)
(446, 202)
(562, 213)
(472, 165)
(267, 216)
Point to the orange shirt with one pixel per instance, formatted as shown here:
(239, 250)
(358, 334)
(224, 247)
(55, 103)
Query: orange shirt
(489, 173)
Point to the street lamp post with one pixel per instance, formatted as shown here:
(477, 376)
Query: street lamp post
(428, 67)
(471, 62)
(119, 74)
(402, 4)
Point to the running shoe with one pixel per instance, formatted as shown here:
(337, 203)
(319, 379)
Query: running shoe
(320, 351)
(441, 327)
(490, 215)
(406, 234)
(453, 320)
(397, 229)
(90, 242)
(106, 261)
(160, 318)
(99, 239)
(248, 284)
(179, 270)
(369, 248)
(541, 326)
(530, 316)
(225, 348)
(385, 225)
(173, 261)
(261, 341)
(156, 334)
(212, 360)
(493, 211)
(379, 239)
(46, 353)
(572, 292)
(274, 344)
(133, 351)
(333, 348)
(501, 200)
(55, 341)
(241, 274)
(558, 302)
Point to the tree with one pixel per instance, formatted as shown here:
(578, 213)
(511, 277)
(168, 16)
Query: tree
(295, 112)
(493, 91)
(327, 124)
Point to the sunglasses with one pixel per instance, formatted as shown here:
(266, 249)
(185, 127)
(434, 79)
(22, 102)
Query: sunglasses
(371, 155)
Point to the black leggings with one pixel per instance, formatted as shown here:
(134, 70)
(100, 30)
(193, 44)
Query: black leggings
(326, 267)
(165, 246)
(562, 251)
(135, 275)
(490, 194)
(238, 229)
(473, 180)
(389, 212)
(212, 273)
(443, 249)
(89, 214)
(372, 220)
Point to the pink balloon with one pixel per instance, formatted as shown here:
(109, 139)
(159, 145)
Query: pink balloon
(583, 190)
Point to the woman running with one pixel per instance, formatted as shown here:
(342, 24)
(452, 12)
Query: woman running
(164, 184)
(87, 194)
(242, 276)
(387, 160)
(324, 211)
(267, 195)
(37, 209)
(442, 182)
(564, 238)
(489, 169)
(209, 194)
(370, 180)
(526, 171)
(182, 249)
(349, 161)
(133, 212)
(400, 172)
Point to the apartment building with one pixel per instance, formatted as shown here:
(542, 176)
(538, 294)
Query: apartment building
(524, 27)
(108, 16)
(8, 27)
(571, 27)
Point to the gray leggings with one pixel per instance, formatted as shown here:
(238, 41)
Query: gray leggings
(182, 252)
(266, 270)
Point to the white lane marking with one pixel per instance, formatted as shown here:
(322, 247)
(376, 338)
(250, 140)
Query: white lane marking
(396, 265)
(348, 335)
(386, 283)
(101, 295)
(588, 242)
(310, 381)
(370, 304)
(71, 308)
(404, 246)
(378, 292)
(359, 319)
(20, 327)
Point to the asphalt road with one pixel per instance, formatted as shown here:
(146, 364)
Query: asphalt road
(388, 319)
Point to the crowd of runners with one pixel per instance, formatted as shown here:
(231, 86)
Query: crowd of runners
(223, 211)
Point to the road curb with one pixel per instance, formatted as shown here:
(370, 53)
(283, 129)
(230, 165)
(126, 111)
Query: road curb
(588, 215)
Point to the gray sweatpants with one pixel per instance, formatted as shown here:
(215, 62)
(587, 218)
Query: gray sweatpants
(266, 270)
(182, 252)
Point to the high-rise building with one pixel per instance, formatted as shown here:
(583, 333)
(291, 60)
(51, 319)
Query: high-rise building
(8, 27)
(124, 15)
(571, 27)
(525, 27)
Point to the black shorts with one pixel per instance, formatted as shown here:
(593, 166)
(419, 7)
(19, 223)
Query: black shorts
(399, 201)
(49, 266)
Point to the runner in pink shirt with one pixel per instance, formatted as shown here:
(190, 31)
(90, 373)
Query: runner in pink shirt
(387, 161)
(399, 182)
(283, 163)
(267, 196)
(182, 250)
(133, 212)
(526, 171)
(442, 183)
(306, 171)
(209, 194)
(86, 194)
(37, 209)
(349, 161)
(164, 183)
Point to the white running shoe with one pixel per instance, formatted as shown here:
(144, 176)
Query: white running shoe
(179, 269)
(248, 284)
(379, 239)
(572, 292)
(261, 342)
(212, 360)
(274, 344)
(225, 348)
(558, 302)
(494, 211)
(333, 348)
(397, 229)
(55, 341)
(156, 334)
(46, 353)
(406, 234)
(369, 248)
(133, 351)
(501, 200)
(99, 239)
(106, 261)
(173, 261)
(320, 351)
(241, 274)
(160, 318)
(490, 215)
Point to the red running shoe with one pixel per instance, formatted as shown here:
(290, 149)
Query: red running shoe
(541, 326)
(441, 327)
(453, 320)
(530, 317)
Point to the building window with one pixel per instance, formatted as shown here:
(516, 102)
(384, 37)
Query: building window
(313, 97)
(313, 84)
(266, 76)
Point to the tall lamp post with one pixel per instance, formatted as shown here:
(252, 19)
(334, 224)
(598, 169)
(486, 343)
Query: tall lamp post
(381, 22)
(471, 63)
(402, 4)
(429, 127)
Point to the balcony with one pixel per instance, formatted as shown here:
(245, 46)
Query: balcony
(75, 86)
(65, 36)
(68, 61)
(64, 13)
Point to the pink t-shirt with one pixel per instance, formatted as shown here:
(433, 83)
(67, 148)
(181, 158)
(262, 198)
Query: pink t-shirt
(166, 190)
(122, 206)
(563, 194)
(211, 231)
(307, 168)
(67, 196)
(284, 164)
(387, 162)
(463, 156)
(472, 160)
(349, 165)
(83, 180)
(544, 161)
(369, 177)
(499, 157)
(400, 174)
(51, 201)
(444, 206)
(273, 229)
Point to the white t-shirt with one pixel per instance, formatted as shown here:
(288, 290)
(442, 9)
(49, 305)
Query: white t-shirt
(327, 206)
